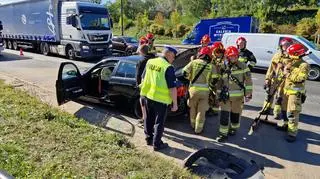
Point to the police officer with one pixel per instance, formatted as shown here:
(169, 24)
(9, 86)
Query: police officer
(246, 56)
(143, 51)
(296, 73)
(199, 72)
(235, 86)
(150, 41)
(159, 88)
(273, 79)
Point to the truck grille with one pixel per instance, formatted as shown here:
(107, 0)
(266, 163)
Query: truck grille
(97, 38)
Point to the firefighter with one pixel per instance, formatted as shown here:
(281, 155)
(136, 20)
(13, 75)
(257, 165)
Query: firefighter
(205, 41)
(236, 86)
(217, 61)
(143, 41)
(159, 88)
(246, 56)
(150, 40)
(199, 72)
(296, 72)
(274, 76)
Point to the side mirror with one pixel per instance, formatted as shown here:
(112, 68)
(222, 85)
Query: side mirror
(71, 20)
(1, 27)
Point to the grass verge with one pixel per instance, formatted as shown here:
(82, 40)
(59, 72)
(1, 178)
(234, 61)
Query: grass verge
(38, 141)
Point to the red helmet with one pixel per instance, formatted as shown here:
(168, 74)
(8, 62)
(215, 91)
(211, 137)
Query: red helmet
(143, 40)
(205, 39)
(205, 51)
(286, 41)
(296, 50)
(150, 36)
(231, 52)
(240, 39)
(217, 47)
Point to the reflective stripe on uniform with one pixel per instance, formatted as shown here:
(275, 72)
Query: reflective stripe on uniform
(235, 125)
(200, 87)
(236, 93)
(293, 91)
(223, 130)
(248, 87)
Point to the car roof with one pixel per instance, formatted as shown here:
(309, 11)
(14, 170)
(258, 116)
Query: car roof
(260, 34)
(132, 58)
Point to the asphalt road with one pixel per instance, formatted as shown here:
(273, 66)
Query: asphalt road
(266, 146)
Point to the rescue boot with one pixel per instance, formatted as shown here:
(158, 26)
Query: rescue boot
(291, 138)
(222, 138)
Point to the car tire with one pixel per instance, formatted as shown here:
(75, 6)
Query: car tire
(70, 53)
(137, 109)
(9, 44)
(129, 52)
(5, 45)
(314, 73)
(44, 48)
(15, 45)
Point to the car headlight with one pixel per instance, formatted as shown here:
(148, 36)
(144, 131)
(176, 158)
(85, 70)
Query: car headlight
(85, 47)
(110, 46)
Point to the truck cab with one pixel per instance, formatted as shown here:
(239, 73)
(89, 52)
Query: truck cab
(85, 29)
(1, 40)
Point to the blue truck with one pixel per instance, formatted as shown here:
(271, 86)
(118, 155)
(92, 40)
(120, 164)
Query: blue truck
(75, 29)
(217, 27)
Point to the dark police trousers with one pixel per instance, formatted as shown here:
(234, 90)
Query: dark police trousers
(154, 124)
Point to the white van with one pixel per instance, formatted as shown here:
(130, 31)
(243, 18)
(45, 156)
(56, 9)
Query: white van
(264, 46)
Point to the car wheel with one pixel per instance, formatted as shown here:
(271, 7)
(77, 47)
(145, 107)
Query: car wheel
(5, 44)
(15, 45)
(137, 109)
(314, 73)
(44, 48)
(129, 52)
(70, 53)
(9, 44)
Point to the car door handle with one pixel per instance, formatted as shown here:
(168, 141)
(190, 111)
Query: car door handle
(269, 52)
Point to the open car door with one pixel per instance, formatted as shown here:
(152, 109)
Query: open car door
(69, 84)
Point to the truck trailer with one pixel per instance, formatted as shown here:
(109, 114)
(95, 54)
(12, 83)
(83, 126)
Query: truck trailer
(75, 29)
(215, 28)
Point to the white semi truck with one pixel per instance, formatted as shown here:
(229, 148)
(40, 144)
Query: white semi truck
(71, 28)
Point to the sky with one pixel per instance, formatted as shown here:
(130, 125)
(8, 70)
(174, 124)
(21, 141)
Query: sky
(9, 1)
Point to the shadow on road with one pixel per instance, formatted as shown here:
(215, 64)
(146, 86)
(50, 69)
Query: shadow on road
(266, 140)
(4, 56)
(304, 118)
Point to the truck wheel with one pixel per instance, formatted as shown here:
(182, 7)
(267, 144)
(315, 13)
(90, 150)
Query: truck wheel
(314, 73)
(70, 53)
(15, 45)
(5, 45)
(9, 44)
(44, 47)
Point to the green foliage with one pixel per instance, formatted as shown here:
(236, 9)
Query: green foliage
(157, 29)
(145, 20)
(182, 30)
(307, 28)
(139, 21)
(38, 141)
(199, 8)
(159, 19)
(285, 29)
(175, 19)
(267, 27)
(317, 18)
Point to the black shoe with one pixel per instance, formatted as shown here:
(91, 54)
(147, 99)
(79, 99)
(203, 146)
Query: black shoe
(221, 138)
(160, 146)
(290, 138)
(232, 132)
(149, 142)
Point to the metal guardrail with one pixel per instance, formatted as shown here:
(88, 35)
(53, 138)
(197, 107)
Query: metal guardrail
(178, 46)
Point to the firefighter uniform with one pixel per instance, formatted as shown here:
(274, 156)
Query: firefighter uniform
(199, 91)
(213, 99)
(247, 57)
(294, 90)
(231, 107)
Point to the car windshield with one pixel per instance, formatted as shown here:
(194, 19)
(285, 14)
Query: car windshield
(310, 44)
(130, 40)
(91, 21)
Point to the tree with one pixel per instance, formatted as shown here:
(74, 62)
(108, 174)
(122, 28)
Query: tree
(145, 20)
(139, 21)
(306, 27)
(318, 18)
(159, 19)
(175, 19)
(199, 8)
